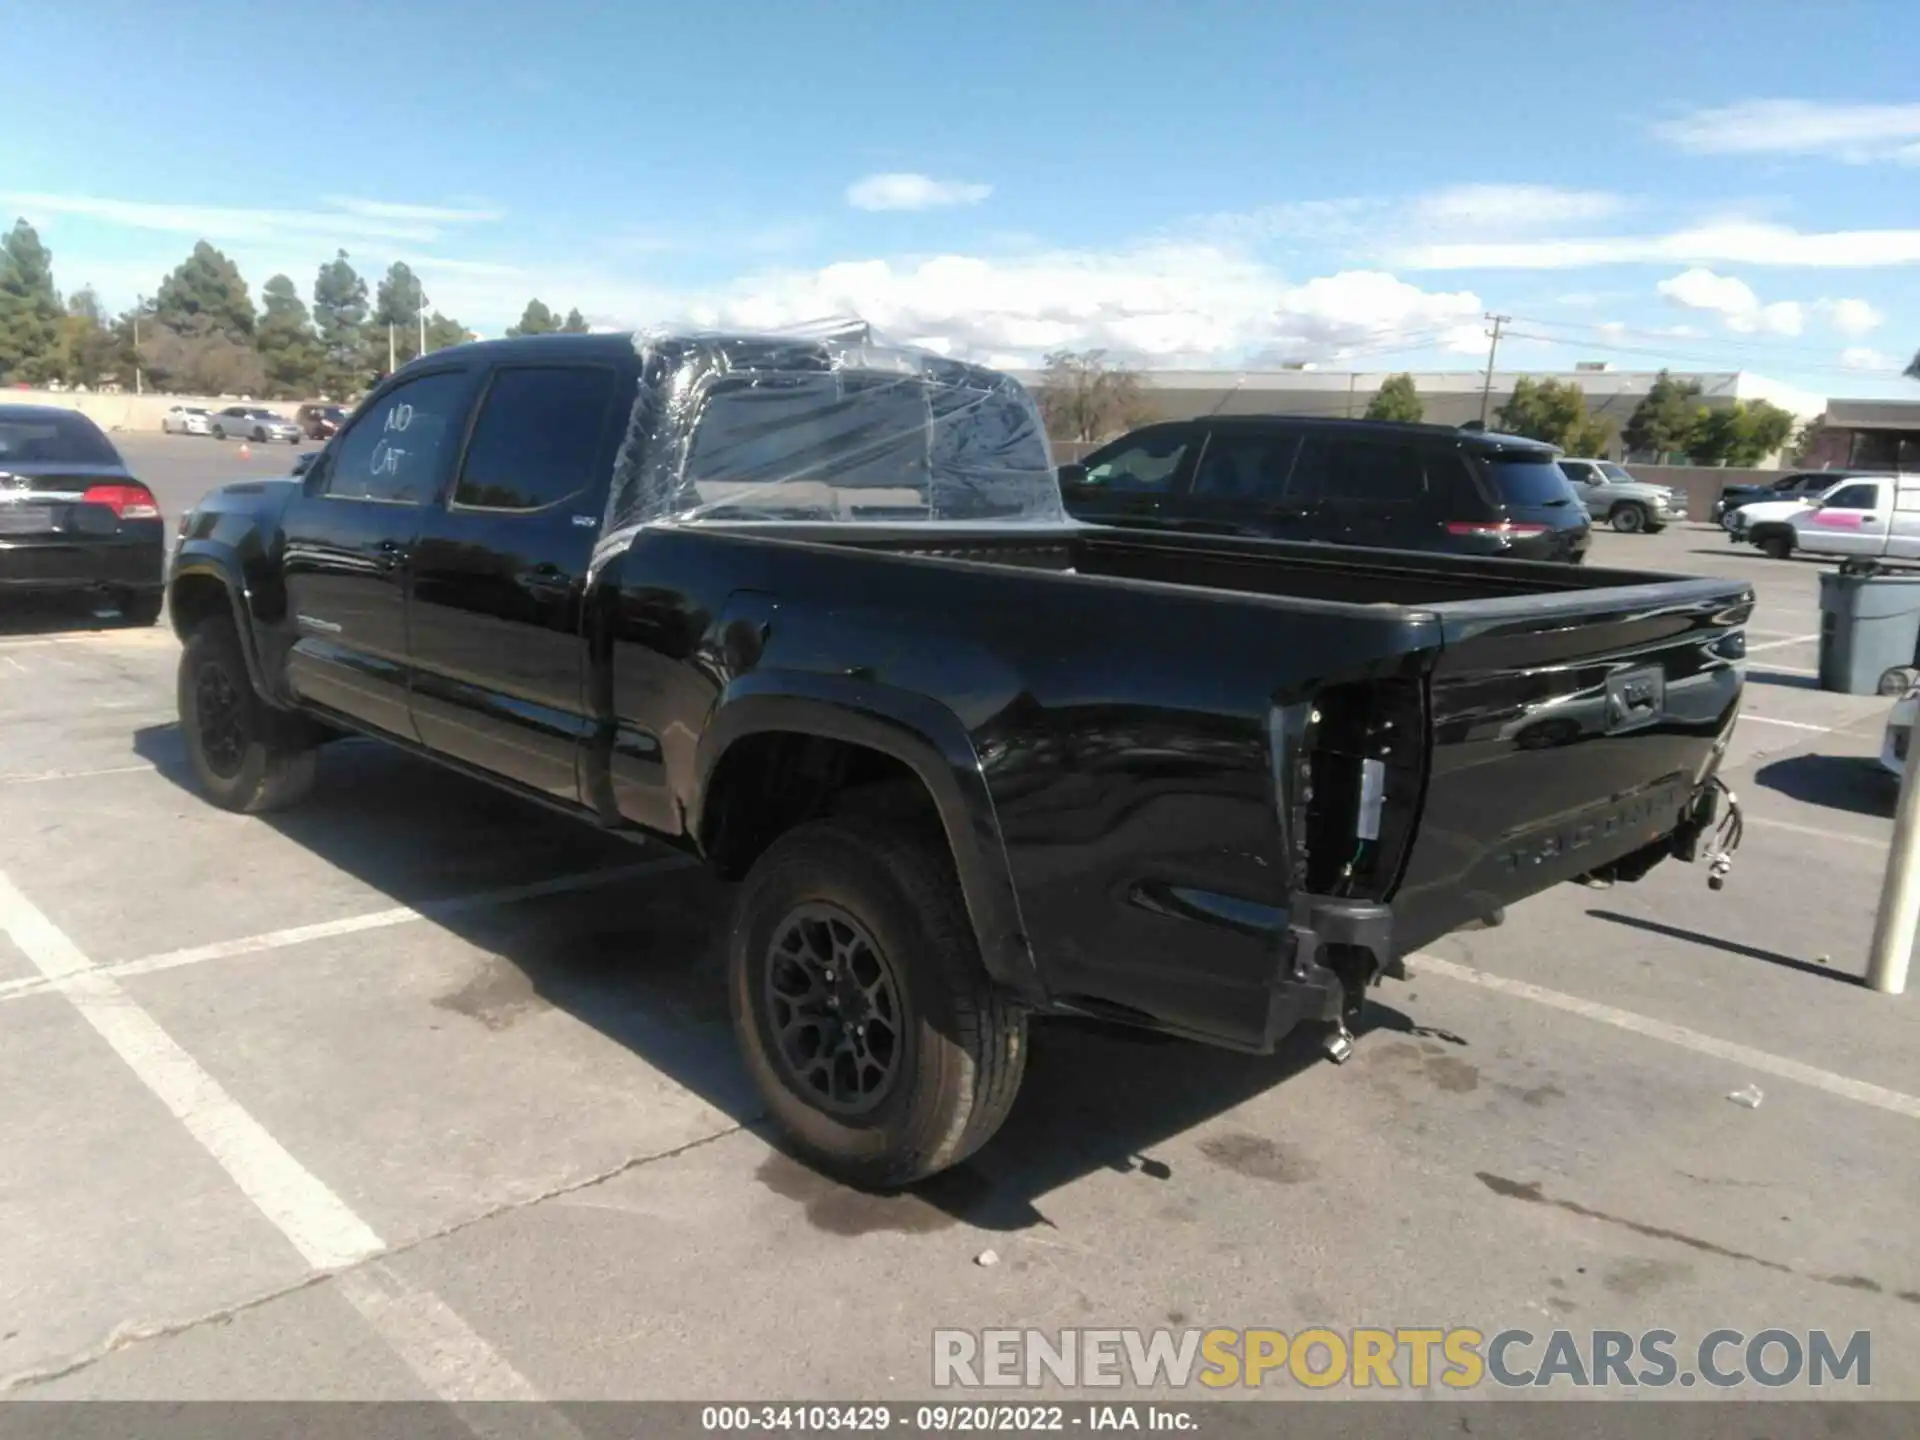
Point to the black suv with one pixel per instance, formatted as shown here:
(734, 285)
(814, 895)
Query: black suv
(1347, 482)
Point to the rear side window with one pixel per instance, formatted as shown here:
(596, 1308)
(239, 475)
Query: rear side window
(398, 450)
(537, 440)
(70, 439)
(1374, 473)
(1529, 480)
(1254, 468)
(1147, 464)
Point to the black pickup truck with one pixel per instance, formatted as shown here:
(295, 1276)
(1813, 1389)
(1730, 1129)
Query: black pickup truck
(811, 609)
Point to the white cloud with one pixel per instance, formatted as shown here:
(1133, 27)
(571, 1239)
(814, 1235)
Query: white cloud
(1734, 301)
(1512, 206)
(1853, 317)
(1856, 134)
(908, 191)
(385, 210)
(1860, 357)
(1734, 243)
(348, 222)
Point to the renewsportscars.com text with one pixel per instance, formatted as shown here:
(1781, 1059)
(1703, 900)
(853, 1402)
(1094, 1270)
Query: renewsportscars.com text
(1460, 1358)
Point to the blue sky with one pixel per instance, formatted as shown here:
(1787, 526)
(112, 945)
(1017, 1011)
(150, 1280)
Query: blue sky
(1205, 183)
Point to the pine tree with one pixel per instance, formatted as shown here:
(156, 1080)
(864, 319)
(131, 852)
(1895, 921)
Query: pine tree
(288, 347)
(29, 309)
(339, 315)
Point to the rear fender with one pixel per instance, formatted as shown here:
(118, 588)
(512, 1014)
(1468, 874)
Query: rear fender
(933, 743)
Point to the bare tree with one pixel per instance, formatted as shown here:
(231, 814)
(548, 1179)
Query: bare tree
(1084, 397)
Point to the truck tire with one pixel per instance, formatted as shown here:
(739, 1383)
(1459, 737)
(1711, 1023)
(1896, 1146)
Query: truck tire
(1628, 518)
(246, 755)
(139, 608)
(1777, 547)
(863, 918)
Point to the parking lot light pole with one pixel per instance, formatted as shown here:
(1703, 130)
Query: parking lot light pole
(1899, 913)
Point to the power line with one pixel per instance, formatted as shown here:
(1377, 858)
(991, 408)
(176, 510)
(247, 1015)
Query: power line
(1665, 354)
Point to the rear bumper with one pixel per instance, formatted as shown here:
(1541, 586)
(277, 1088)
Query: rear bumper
(133, 564)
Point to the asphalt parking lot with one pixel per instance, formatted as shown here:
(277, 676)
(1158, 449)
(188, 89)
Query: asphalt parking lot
(416, 1091)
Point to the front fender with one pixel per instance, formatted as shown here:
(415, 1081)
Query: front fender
(203, 560)
(932, 742)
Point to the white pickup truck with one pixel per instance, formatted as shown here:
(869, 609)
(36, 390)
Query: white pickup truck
(1862, 522)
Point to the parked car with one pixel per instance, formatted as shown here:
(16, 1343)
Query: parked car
(320, 422)
(73, 517)
(1802, 485)
(1613, 497)
(186, 420)
(1865, 521)
(812, 610)
(1345, 482)
(250, 422)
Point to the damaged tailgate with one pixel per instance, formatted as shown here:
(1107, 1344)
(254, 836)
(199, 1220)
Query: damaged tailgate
(1567, 731)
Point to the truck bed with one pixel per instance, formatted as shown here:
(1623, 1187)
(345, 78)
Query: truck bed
(1172, 734)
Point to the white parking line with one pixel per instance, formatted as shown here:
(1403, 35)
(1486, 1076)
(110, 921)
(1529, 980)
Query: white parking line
(1781, 644)
(353, 924)
(1784, 669)
(1790, 724)
(38, 777)
(1815, 831)
(1843, 1086)
(422, 1330)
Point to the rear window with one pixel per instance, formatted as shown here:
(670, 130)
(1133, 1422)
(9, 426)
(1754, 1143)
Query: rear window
(1529, 479)
(54, 440)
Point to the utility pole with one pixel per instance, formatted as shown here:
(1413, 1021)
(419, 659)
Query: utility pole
(1493, 349)
(139, 304)
(423, 332)
(390, 365)
(1894, 925)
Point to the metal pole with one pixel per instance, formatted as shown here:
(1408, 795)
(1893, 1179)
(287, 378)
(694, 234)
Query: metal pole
(390, 365)
(1486, 388)
(423, 329)
(1893, 927)
(138, 387)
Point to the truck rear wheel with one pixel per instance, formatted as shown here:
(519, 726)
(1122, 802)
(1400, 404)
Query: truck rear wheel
(881, 1046)
(1777, 547)
(246, 755)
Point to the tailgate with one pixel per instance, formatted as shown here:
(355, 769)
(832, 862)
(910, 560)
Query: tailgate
(1566, 732)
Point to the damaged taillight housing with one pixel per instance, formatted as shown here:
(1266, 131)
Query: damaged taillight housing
(1349, 768)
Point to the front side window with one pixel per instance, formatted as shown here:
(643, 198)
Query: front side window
(1147, 464)
(1853, 497)
(537, 440)
(401, 445)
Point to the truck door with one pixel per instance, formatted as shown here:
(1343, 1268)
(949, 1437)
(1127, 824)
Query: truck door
(1852, 520)
(499, 576)
(349, 534)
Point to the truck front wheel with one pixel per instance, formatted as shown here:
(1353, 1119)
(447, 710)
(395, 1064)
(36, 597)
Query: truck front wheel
(879, 1043)
(246, 755)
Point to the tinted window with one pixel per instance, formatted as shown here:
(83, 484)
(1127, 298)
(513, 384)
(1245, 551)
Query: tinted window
(1529, 480)
(1614, 472)
(1374, 473)
(56, 439)
(536, 440)
(1854, 497)
(1245, 467)
(399, 447)
(1148, 463)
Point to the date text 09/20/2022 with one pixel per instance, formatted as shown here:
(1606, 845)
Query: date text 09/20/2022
(945, 1419)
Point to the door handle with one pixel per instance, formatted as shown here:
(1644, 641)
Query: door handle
(393, 555)
(548, 579)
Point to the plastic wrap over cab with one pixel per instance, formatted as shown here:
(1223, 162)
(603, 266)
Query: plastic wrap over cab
(836, 425)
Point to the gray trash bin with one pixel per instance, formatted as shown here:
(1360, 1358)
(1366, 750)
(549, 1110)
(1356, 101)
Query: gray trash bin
(1869, 624)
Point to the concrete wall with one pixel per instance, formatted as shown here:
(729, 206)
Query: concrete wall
(131, 412)
(1701, 484)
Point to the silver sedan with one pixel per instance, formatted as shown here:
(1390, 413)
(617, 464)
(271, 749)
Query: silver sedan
(250, 422)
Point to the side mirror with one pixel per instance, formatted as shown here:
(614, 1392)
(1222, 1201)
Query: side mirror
(304, 463)
(1072, 476)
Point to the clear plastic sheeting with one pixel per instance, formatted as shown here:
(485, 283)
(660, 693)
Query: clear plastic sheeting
(827, 426)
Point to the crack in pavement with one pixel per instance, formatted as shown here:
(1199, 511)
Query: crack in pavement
(129, 1333)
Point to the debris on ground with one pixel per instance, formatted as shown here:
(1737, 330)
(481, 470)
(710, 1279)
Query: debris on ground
(1749, 1096)
(987, 1257)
